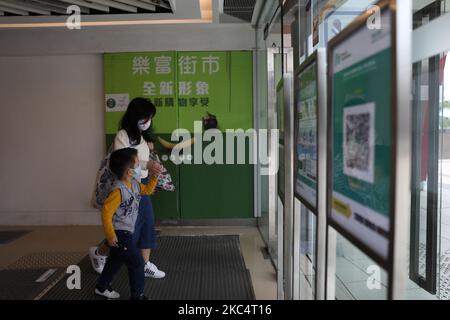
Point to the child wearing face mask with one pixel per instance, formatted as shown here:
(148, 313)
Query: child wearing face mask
(119, 215)
(135, 123)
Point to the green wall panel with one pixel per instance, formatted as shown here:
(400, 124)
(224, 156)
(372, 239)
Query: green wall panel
(166, 205)
(184, 86)
(224, 191)
(241, 103)
(216, 191)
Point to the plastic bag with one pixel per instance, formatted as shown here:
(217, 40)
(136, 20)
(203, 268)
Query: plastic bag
(164, 179)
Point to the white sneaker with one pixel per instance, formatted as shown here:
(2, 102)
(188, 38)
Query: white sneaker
(98, 261)
(108, 293)
(151, 271)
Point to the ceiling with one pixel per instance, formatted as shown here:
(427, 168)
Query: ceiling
(17, 8)
(53, 13)
(240, 9)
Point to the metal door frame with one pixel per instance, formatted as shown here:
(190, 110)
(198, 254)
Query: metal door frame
(288, 223)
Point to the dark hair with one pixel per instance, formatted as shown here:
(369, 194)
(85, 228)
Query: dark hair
(122, 160)
(138, 109)
(210, 122)
(148, 137)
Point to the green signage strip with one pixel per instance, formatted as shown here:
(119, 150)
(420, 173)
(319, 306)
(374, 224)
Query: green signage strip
(184, 86)
(203, 84)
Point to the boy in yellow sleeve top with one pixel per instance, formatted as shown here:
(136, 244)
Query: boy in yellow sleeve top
(119, 214)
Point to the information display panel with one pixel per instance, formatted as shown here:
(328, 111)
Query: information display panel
(362, 115)
(306, 133)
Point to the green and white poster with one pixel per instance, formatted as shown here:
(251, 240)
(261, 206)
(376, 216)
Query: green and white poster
(306, 157)
(362, 137)
(150, 75)
(185, 87)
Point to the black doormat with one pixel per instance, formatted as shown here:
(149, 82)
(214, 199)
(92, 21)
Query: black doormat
(9, 236)
(197, 268)
(22, 284)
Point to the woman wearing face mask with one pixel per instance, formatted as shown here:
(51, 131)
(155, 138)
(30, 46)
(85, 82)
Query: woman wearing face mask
(136, 121)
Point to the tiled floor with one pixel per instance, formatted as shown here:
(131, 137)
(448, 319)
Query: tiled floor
(79, 239)
(352, 277)
(352, 264)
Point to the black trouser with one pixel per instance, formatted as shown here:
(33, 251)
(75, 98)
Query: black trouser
(127, 253)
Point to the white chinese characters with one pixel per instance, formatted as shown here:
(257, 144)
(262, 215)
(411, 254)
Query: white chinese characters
(142, 65)
(163, 65)
(185, 88)
(210, 64)
(167, 88)
(202, 88)
(188, 65)
(149, 88)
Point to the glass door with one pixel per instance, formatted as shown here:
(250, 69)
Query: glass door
(430, 201)
(427, 77)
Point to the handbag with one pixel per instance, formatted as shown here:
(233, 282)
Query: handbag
(103, 182)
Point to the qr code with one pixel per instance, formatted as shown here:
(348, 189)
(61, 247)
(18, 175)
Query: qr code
(359, 141)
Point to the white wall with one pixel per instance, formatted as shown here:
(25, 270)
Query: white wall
(51, 41)
(51, 138)
(51, 111)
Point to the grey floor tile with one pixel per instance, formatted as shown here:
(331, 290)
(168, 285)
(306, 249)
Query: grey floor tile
(346, 271)
(361, 292)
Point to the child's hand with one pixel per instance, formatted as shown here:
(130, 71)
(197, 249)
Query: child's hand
(113, 242)
(155, 168)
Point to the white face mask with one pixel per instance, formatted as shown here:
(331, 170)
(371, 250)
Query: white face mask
(137, 173)
(144, 126)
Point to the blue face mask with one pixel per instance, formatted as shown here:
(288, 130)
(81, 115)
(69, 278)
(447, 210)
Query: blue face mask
(137, 173)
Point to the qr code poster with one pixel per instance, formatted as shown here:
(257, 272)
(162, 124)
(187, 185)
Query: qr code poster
(359, 142)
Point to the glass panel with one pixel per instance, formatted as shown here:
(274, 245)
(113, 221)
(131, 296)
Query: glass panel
(275, 40)
(430, 223)
(329, 18)
(265, 88)
(357, 276)
(444, 190)
(421, 145)
(425, 11)
(308, 245)
(261, 105)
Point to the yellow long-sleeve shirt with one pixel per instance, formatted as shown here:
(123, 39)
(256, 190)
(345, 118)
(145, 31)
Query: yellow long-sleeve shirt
(113, 201)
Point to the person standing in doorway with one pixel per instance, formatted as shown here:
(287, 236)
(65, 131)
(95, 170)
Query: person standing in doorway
(134, 125)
